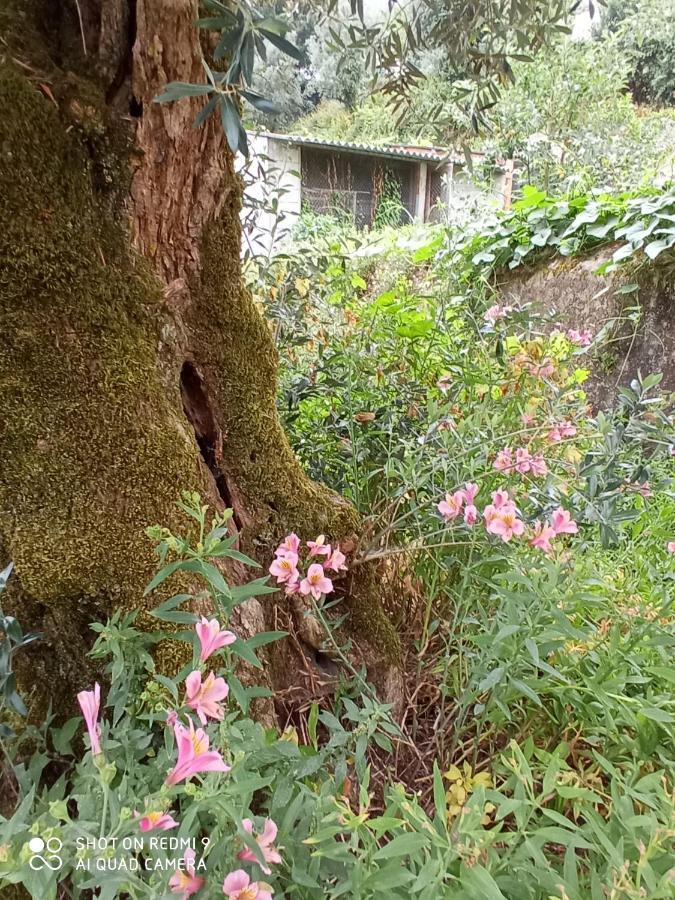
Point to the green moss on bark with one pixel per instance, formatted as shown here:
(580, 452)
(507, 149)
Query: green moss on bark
(94, 447)
(233, 343)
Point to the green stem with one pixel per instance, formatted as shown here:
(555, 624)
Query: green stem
(105, 808)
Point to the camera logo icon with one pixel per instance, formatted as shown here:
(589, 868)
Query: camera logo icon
(45, 854)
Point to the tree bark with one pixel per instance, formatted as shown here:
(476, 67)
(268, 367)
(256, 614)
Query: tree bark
(133, 363)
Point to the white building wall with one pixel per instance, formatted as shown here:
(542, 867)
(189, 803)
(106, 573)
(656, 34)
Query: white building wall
(272, 195)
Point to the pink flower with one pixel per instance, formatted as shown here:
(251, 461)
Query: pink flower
(470, 514)
(238, 886)
(543, 369)
(528, 418)
(504, 460)
(90, 702)
(505, 523)
(319, 547)
(186, 882)
(538, 465)
(444, 383)
(204, 697)
(293, 587)
(501, 502)
(496, 312)
(451, 507)
(501, 498)
(316, 583)
(336, 561)
(561, 431)
(580, 338)
(284, 568)
(194, 755)
(522, 460)
(289, 545)
(671, 546)
(211, 637)
(470, 490)
(543, 534)
(562, 522)
(266, 843)
(171, 718)
(156, 821)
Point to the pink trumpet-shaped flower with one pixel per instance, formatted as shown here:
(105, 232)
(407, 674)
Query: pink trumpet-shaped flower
(319, 547)
(470, 514)
(469, 491)
(506, 524)
(523, 458)
(289, 545)
(444, 383)
(562, 522)
(156, 821)
(171, 718)
(185, 881)
(238, 886)
(538, 465)
(544, 369)
(543, 534)
(580, 338)
(336, 561)
(293, 587)
(560, 432)
(496, 312)
(500, 503)
(212, 637)
(204, 696)
(90, 702)
(194, 755)
(316, 583)
(285, 568)
(504, 460)
(670, 546)
(501, 498)
(266, 843)
(451, 507)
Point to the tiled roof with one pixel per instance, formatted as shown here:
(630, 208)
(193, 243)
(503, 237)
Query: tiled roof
(390, 151)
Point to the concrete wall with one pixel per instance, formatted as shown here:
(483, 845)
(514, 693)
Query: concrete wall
(570, 290)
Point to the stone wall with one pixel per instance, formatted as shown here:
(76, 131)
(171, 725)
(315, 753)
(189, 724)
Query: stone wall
(575, 295)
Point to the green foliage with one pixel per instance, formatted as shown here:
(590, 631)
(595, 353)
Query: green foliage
(570, 121)
(12, 639)
(645, 30)
(552, 671)
(389, 209)
(543, 761)
(642, 225)
(477, 44)
(244, 33)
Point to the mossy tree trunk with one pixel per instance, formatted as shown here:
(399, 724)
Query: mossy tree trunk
(133, 364)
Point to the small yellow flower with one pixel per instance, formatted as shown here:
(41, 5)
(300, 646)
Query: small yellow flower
(302, 286)
(290, 734)
(488, 809)
(572, 455)
(462, 783)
